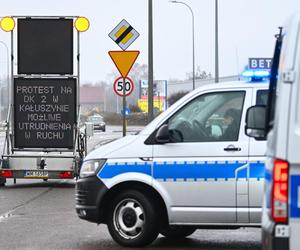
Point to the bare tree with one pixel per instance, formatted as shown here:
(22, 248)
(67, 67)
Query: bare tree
(199, 74)
(176, 96)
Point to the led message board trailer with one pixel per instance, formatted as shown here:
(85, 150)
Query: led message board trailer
(44, 112)
(45, 46)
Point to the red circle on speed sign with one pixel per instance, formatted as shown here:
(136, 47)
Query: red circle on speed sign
(118, 86)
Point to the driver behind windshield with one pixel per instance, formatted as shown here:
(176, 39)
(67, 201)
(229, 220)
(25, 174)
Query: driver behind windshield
(231, 125)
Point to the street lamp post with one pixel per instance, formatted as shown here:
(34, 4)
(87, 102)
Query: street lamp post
(193, 36)
(216, 44)
(150, 61)
(7, 68)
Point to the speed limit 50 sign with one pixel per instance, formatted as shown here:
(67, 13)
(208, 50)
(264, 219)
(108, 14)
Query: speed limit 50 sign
(119, 85)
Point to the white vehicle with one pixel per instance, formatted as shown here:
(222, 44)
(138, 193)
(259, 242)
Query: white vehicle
(281, 209)
(192, 167)
(98, 122)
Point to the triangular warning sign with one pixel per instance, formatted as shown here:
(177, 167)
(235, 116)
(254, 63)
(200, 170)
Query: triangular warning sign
(124, 60)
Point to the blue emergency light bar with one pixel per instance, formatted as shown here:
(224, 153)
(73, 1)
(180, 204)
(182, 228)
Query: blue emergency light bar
(256, 75)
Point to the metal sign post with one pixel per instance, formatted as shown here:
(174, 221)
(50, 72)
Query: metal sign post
(123, 86)
(124, 35)
(124, 106)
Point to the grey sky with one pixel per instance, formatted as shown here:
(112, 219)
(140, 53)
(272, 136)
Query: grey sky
(247, 29)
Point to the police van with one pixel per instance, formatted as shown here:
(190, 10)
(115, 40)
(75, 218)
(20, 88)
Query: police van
(192, 167)
(280, 120)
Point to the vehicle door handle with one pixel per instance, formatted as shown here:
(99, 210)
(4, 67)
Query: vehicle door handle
(146, 158)
(232, 148)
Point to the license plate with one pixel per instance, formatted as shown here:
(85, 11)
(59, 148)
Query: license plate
(282, 231)
(36, 174)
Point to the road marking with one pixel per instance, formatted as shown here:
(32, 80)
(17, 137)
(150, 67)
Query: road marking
(6, 215)
(9, 214)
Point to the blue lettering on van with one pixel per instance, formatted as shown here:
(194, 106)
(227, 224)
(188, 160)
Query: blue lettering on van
(185, 170)
(295, 199)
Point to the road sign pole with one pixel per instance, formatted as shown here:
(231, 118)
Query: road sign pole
(124, 106)
(123, 60)
(216, 44)
(150, 62)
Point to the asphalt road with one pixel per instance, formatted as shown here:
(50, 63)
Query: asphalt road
(41, 215)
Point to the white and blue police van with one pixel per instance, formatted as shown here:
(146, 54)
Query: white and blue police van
(280, 121)
(191, 167)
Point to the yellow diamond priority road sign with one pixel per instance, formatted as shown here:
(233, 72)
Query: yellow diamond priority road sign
(124, 34)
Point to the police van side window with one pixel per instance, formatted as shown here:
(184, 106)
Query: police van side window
(208, 118)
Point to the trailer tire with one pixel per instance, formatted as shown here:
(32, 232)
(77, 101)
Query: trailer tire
(132, 221)
(2, 181)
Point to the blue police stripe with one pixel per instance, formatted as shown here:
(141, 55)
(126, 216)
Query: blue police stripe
(295, 186)
(184, 170)
(111, 170)
(257, 170)
(196, 171)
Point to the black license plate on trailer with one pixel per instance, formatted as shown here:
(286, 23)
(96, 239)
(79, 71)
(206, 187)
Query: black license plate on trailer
(36, 174)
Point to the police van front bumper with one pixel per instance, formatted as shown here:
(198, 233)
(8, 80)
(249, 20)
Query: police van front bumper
(89, 193)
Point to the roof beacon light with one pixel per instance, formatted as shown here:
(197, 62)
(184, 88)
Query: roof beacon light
(262, 73)
(7, 23)
(82, 24)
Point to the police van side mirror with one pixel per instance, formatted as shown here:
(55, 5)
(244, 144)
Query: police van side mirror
(256, 122)
(162, 134)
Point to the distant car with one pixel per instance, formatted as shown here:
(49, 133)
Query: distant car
(98, 122)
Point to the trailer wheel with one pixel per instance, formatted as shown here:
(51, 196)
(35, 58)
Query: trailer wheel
(177, 232)
(2, 182)
(132, 220)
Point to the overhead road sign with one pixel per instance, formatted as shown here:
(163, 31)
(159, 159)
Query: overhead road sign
(123, 34)
(119, 85)
(124, 60)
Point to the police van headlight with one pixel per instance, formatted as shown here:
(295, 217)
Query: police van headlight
(90, 168)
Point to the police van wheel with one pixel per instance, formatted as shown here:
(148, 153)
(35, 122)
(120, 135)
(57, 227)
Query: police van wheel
(131, 219)
(177, 232)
